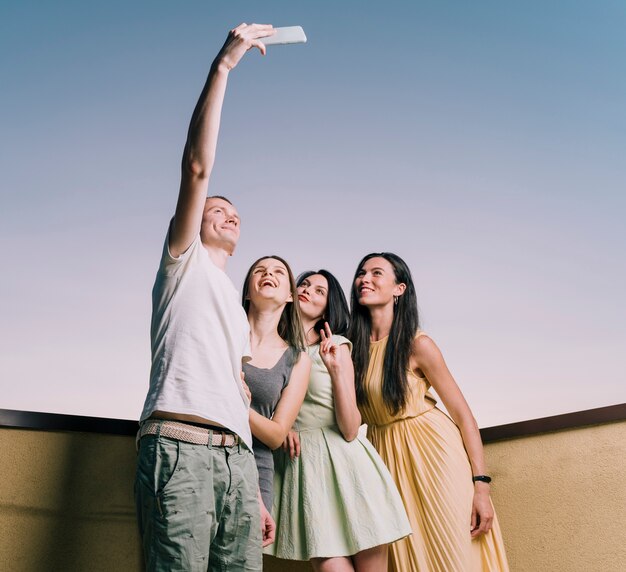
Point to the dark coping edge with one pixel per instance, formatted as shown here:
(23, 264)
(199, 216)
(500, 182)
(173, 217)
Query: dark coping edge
(573, 420)
(59, 422)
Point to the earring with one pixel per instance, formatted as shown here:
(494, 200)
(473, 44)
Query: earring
(395, 300)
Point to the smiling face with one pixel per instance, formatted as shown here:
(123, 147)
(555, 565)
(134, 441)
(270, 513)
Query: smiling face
(220, 225)
(270, 288)
(375, 283)
(313, 297)
(269, 281)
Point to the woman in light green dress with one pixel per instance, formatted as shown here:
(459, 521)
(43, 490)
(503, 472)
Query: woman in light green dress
(335, 502)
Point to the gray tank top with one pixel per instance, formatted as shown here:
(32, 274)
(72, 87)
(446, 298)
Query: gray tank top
(266, 386)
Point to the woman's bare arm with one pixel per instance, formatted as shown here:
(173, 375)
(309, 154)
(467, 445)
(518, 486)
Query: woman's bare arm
(272, 432)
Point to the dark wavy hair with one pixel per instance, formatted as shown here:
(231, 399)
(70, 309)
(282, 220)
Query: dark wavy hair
(336, 313)
(290, 324)
(403, 328)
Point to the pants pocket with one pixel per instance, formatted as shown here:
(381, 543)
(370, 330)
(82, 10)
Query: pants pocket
(167, 459)
(157, 462)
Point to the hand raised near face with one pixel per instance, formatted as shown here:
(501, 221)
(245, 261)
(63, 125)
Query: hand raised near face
(329, 350)
(240, 40)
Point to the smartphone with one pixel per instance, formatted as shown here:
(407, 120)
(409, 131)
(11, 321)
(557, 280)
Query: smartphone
(287, 35)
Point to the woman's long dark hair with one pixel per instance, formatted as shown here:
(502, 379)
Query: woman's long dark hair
(403, 328)
(290, 324)
(336, 314)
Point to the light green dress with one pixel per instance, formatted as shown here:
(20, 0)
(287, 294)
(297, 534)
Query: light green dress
(336, 498)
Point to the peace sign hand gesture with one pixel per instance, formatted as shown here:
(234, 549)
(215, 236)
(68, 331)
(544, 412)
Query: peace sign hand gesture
(329, 350)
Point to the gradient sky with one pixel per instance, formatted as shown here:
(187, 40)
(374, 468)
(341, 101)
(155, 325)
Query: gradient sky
(484, 142)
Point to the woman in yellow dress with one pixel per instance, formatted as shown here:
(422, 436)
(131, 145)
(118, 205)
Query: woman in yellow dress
(436, 461)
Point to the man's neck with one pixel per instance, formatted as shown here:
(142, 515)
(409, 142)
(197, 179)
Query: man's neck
(218, 255)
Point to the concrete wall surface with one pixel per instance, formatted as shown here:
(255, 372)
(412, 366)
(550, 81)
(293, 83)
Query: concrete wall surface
(561, 499)
(66, 501)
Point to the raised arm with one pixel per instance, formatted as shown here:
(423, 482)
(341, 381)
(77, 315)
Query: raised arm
(272, 432)
(199, 153)
(427, 357)
(337, 360)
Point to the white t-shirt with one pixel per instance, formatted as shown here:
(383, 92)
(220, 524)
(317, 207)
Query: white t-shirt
(199, 335)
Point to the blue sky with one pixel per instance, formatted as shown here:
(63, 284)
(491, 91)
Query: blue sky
(482, 142)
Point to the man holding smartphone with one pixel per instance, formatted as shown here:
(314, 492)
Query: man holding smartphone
(196, 487)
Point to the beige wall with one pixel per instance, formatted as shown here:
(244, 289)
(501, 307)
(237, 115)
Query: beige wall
(561, 499)
(66, 501)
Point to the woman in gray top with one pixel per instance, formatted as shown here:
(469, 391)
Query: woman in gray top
(278, 373)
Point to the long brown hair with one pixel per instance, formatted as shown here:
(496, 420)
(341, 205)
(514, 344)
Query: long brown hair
(290, 326)
(398, 351)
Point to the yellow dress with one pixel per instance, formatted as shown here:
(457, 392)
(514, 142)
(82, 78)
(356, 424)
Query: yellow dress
(423, 449)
